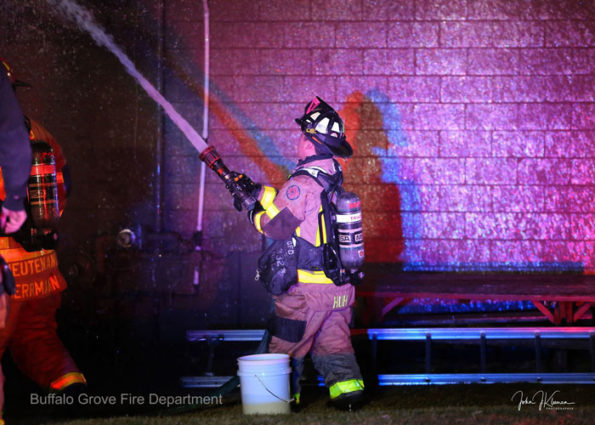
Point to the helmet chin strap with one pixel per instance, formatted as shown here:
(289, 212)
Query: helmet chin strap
(319, 147)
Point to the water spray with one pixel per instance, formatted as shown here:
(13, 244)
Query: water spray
(208, 154)
(86, 21)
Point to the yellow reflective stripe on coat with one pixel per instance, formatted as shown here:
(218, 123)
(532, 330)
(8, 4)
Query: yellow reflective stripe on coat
(323, 226)
(272, 211)
(257, 218)
(66, 380)
(268, 195)
(312, 276)
(320, 231)
(345, 387)
(266, 201)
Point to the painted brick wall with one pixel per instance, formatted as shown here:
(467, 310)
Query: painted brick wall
(472, 120)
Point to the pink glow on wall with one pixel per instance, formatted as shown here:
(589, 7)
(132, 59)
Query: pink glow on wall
(472, 121)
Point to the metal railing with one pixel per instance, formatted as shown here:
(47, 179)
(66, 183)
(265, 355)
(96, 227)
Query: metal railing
(429, 336)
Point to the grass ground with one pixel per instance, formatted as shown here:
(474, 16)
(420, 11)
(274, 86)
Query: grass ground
(461, 404)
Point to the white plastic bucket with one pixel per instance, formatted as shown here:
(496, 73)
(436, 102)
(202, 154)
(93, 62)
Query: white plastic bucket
(264, 383)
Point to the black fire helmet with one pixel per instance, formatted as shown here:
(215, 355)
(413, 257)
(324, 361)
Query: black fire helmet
(323, 126)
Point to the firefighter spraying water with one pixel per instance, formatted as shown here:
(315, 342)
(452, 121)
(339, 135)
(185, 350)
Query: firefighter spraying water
(313, 263)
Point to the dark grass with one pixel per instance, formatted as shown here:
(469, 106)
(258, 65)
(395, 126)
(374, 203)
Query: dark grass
(457, 404)
(448, 404)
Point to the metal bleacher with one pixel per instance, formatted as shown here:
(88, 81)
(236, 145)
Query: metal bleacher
(480, 335)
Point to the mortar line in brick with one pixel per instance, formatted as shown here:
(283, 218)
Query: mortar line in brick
(415, 61)
(471, 185)
(334, 43)
(465, 170)
(415, 3)
(379, 21)
(386, 26)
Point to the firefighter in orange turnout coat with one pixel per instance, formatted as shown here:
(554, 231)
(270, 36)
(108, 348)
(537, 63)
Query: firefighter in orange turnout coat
(30, 332)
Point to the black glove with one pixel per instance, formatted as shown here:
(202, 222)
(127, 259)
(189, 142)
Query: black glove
(243, 190)
(257, 208)
(8, 284)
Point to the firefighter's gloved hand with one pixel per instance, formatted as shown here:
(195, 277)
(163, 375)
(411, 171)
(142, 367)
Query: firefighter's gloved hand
(244, 191)
(244, 184)
(11, 221)
(237, 203)
(258, 208)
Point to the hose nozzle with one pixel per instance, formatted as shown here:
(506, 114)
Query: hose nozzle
(234, 182)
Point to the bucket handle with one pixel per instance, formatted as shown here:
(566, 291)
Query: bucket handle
(272, 393)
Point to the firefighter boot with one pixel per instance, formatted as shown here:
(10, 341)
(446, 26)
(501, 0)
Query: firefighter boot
(349, 401)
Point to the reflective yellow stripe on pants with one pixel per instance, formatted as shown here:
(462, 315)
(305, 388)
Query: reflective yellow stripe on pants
(345, 387)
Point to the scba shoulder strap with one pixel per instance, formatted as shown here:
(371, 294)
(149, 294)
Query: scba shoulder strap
(322, 177)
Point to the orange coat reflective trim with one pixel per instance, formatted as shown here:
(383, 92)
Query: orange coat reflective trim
(68, 379)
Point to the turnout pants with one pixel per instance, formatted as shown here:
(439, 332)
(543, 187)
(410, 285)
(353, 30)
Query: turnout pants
(315, 318)
(30, 335)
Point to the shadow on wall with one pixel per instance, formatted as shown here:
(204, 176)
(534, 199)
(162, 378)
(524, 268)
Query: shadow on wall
(373, 125)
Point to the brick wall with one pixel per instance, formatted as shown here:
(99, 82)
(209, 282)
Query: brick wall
(472, 120)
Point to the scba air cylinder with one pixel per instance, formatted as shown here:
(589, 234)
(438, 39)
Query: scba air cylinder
(350, 231)
(43, 189)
